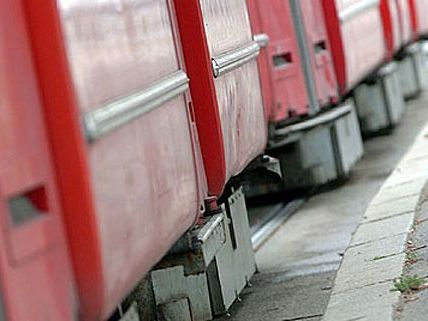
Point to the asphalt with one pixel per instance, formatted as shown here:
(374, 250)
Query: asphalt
(298, 264)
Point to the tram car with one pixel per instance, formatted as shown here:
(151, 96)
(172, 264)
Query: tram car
(127, 128)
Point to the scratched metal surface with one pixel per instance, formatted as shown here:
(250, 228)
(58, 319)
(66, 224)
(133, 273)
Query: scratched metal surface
(363, 41)
(143, 174)
(238, 92)
(422, 15)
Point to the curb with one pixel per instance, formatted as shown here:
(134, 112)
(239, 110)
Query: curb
(376, 255)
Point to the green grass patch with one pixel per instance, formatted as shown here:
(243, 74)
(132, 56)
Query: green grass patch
(411, 257)
(407, 283)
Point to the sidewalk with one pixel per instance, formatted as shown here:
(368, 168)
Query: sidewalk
(390, 242)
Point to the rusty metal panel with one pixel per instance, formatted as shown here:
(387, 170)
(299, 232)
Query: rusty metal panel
(281, 73)
(320, 49)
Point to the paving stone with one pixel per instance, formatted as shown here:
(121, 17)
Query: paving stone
(411, 310)
(380, 248)
(388, 227)
(370, 303)
(397, 191)
(412, 166)
(416, 153)
(390, 209)
(419, 149)
(406, 178)
(359, 273)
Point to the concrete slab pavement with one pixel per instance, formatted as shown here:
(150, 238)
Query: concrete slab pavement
(414, 306)
(378, 251)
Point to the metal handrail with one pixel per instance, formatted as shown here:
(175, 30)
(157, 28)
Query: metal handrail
(116, 114)
(235, 58)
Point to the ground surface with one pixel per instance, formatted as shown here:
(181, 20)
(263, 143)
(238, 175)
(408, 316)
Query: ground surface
(298, 263)
(414, 306)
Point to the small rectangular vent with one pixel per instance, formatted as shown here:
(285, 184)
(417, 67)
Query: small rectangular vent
(320, 46)
(282, 60)
(28, 206)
